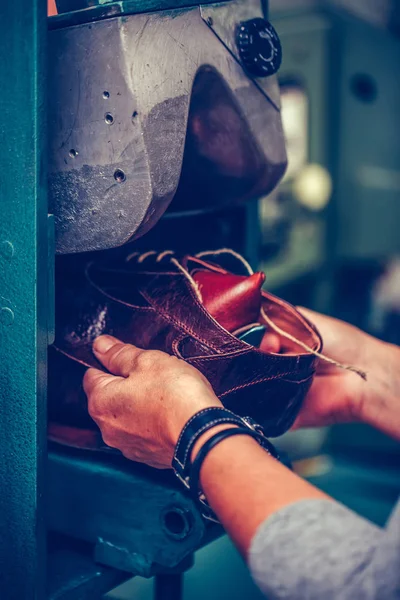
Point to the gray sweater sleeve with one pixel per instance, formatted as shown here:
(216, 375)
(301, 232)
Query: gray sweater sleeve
(317, 549)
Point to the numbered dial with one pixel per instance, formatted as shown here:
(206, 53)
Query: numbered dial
(259, 47)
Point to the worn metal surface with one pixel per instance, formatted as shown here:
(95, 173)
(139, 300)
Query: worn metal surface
(139, 520)
(23, 299)
(73, 575)
(142, 104)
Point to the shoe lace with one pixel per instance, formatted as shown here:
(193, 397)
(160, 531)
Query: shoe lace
(159, 256)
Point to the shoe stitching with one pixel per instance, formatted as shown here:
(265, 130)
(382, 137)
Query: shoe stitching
(175, 345)
(209, 317)
(264, 380)
(221, 356)
(179, 324)
(270, 357)
(196, 300)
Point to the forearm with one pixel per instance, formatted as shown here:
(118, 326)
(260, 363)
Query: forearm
(319, 549)
(297, 541)
(380, 406)
(245, 486)
(292, 535)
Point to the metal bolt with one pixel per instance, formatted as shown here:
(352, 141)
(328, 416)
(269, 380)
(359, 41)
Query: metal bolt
(6, 316)
(7, 249)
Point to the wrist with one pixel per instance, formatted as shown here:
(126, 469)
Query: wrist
(381, 396)
(187, 411)
(207, 435)
(201, 435)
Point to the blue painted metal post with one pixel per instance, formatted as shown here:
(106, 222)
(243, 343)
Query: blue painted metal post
(23, 298)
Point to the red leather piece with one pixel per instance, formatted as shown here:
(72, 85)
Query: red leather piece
(233, 300)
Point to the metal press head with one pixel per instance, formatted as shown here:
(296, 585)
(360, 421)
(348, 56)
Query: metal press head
(179, 107)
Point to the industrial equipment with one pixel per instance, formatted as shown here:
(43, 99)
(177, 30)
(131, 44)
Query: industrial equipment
(130, 108)
(157, 124)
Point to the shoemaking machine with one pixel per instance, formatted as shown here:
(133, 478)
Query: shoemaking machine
(140, 122)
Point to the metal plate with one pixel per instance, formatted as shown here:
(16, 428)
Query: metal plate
(23, 300)
(120, 96)
(139, 519)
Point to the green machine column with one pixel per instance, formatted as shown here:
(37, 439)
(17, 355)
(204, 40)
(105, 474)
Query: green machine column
(23, 299)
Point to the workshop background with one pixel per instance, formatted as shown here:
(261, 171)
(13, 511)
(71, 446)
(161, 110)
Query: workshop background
(330, 239)
(327, 238)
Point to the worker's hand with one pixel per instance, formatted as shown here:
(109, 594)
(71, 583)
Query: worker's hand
(339, 396)
(142, 408)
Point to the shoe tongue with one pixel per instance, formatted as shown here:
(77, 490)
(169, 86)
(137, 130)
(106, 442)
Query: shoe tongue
(233, 300)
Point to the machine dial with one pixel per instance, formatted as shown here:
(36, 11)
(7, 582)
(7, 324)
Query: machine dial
(259, 47)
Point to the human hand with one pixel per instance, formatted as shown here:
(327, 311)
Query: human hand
(142, 407)
(339, 396)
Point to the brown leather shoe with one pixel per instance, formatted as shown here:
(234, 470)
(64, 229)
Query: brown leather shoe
(197, 309)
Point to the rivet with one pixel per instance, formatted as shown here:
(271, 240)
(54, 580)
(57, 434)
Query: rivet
(7, 249)
(6, 316)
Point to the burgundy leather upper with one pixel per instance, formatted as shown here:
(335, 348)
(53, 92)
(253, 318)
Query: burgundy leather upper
(153, 304)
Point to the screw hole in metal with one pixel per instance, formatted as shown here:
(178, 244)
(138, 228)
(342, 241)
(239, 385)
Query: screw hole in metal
(119, 175)
(109, 119)
(73, 153)
(106, 94)
(176, 523)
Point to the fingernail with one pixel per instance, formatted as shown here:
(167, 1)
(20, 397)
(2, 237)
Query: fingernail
(103, 343)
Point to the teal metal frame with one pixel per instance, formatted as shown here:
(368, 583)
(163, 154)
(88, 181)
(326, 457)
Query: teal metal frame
(24, 299)
(85, 11)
